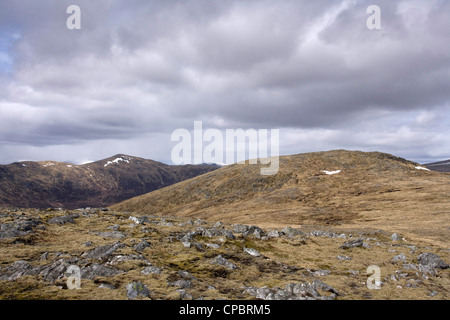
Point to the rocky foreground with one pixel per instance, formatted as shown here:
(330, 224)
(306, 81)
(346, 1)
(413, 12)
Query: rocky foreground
(103, 254)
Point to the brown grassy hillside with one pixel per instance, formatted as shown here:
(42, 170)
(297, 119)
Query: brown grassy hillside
(373, 190)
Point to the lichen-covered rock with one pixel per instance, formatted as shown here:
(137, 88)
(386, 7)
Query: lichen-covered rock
(137, 290)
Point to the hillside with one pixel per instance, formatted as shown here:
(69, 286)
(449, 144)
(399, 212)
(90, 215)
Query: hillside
(372, 190)
(97, 184)
(441, 166)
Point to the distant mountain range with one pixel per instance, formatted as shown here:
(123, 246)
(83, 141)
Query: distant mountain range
(441, 166)
(97, 184)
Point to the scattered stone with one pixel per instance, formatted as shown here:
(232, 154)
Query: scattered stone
(16, 270)
(396, 237)
(97, 270)
(199, 222)
(213, 245)
(122, 258)
(137, 289)
(113, 227)
(432, 260)
(240, 228)
(55, 270)
(344, 257)
(186, 244)
(399, 258)
(186, 275)
(44, 256)
(19, 228)
(228, 234)
(107, 286)
(291, 232)
(88, 244)
(294, 291)
(103, 252)
(182, 283)
(433, 293)
(252, 252)
(223, 262)
(61, 220)
(151, 270)
(273, 234)
(111, 234)
(141, 246)
(352, 244)
(218, 224)
(321, 273)
(184, 295)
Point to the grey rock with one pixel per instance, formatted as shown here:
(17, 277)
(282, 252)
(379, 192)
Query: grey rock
(97, 270)
(352, 244)
(182, 283)
(186, 275)
(44, 256)
(103, 252)
(396, 237)
(137, 289)
(122, 258)
(410, 266)
(186, 244)
(218, 224)
(16, 270)
(107, 286)
(88, 244)
(291, 232)
(319, 285)
(61, 220)
(184, 295)
(223, 262)
(228, 234)
(113, 227)
(273, 234)
(252, 252)
(321, 273)
(433, 293)
(55, 270)
(240, 228)
(340, 257)
(199, 222)
(213, 245)
(294, 291)
(141, 246)
(19, 228)
(151, 270)
(111, 234)
(432, 260)
(399, 258)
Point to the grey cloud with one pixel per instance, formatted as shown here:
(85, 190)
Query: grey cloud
(149, 67)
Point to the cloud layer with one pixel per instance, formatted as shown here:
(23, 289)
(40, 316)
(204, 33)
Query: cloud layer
(138, 70)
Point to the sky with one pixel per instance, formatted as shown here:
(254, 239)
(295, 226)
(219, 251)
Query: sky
(138, 70)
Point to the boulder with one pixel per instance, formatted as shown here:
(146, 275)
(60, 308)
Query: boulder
(137, 290)
(223, 262)
(432, 260)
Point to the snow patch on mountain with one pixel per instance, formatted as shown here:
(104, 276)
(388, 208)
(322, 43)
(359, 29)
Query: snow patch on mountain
(117, 160)
(330, 172)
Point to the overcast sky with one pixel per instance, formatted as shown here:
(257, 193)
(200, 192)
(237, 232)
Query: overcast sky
(138, 70)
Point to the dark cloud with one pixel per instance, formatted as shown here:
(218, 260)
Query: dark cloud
(144, 68)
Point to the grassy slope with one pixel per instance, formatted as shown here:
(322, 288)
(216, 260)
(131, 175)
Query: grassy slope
(374, 190)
